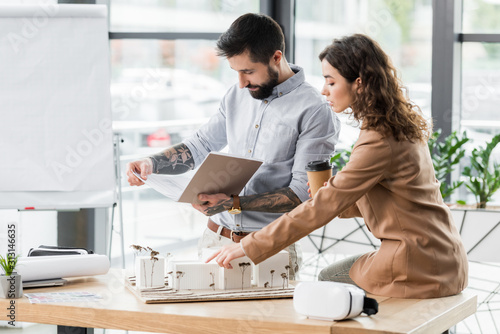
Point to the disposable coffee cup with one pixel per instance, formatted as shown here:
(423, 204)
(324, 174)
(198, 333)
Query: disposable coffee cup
(318, 172)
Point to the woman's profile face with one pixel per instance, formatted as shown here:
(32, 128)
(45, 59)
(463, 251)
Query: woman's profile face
(339, 93)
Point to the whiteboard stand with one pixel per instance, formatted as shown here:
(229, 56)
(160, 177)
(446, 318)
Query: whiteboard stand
(116, 143)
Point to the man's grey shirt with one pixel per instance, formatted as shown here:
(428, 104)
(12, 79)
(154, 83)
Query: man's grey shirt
(288, 129)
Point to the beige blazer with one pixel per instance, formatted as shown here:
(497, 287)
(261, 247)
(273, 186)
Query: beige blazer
(393, 187)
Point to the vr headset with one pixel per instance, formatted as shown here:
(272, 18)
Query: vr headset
(332, 301)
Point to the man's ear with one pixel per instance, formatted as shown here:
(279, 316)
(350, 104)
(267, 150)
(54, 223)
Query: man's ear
(276, 58)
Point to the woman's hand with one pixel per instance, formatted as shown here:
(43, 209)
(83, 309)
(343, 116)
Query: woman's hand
(226, 255)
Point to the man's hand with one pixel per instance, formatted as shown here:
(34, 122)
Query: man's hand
(144, 167)
(227, 254)
(213, 204)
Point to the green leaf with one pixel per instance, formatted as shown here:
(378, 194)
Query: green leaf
(8, 263)
(483, 181)
(445, 156)
(335, 158)
(340, 159)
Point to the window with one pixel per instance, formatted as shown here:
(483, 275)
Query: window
(481, 16)
(480, 84)
(166, 81)
(480, 78)
(162, 91)
(403, 28)
(177, 15)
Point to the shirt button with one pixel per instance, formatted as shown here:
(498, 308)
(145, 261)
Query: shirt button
(265, 101)
(238, 225)
(256, 126)
(281, 94)
(249, 151)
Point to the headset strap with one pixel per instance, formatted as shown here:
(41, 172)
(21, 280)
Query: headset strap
(370, 306)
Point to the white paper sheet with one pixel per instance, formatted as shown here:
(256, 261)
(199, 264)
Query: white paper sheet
(171, 186)
(48, 267)
(219, 173)
(63, 297)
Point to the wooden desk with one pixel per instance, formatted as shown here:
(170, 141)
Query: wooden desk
(120, 309)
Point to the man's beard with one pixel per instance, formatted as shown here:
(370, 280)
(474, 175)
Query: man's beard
(266, 89)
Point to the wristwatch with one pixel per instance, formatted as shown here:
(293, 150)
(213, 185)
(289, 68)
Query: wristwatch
(236, 209)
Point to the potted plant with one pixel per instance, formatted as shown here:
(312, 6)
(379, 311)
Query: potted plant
(479, 224)
(445, 155)
(483, 175)
(11, 285)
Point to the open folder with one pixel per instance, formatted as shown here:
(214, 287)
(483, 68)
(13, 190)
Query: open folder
(219, 173)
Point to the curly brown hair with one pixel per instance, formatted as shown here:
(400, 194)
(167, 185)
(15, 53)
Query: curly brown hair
(381, 103)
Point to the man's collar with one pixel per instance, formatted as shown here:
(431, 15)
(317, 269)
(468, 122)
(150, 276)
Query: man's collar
(291, 83)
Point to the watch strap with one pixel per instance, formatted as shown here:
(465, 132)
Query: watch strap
(236, 208)
(236, 202)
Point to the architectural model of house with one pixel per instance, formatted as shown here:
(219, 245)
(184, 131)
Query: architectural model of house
(150, 273)
(194, 275)
(238, 277)
(273, 272)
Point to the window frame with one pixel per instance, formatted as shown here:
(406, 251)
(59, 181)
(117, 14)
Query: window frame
(447, 41)
(282, 11)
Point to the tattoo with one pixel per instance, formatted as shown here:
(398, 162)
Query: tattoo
(177, 159)
(278, 201)
(222, 205)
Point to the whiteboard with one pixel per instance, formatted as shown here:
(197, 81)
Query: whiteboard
(56, 140)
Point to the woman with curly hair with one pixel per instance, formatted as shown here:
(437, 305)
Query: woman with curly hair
(389, 181)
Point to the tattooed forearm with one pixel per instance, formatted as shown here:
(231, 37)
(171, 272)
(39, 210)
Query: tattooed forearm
(278, 201)
(174, 160)
(222, 205)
